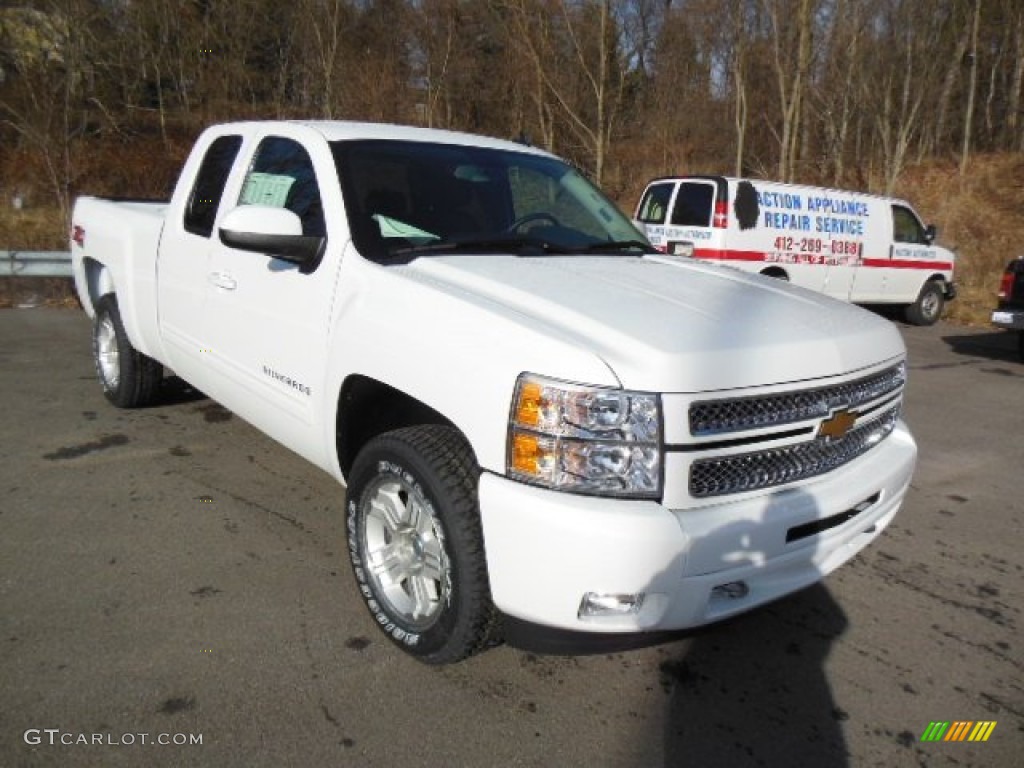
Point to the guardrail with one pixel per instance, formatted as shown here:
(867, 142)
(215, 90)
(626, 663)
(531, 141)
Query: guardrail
(35, 264)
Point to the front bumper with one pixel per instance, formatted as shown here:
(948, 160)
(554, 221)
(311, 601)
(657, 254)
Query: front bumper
(546, 549)
(1011, 319)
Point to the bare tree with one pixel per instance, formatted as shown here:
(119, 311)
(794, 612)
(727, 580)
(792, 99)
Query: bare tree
(791, 76)
(1014, 136)
(578, 61)
(972, 87)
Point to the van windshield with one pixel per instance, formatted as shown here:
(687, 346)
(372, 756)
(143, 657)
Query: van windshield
(405, 199)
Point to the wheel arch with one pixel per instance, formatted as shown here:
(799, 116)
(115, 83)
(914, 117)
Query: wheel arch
(367, 408)
(777, 272)
(99, 281)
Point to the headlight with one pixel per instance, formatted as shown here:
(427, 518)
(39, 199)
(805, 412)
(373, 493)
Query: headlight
(585, 439)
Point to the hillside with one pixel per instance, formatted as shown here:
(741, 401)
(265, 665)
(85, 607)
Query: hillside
(980, 218)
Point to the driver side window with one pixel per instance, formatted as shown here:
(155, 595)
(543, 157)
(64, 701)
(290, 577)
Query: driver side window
(906, 228)
(282, 176)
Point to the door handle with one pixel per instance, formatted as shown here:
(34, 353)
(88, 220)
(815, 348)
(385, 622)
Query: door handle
(222, 280)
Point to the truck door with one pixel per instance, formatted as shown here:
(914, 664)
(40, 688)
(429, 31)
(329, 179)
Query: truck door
(913, 256)
(183, 262)
(268, 319)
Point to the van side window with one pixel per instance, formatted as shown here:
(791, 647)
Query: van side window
(694, 205)
(203, 202)
(654, 206)
(282, 176)
(906, 228)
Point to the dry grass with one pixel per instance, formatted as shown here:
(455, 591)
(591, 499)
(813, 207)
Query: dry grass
(37, 292)
(981, 217)
(32, 229)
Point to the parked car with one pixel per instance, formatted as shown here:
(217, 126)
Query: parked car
(1009, 313)
(861, 248)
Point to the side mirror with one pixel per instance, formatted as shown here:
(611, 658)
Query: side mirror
(273, 231)
(930, 233)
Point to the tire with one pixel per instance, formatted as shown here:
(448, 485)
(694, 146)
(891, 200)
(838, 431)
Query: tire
(416, 546)
(129, 378)
(928, 307)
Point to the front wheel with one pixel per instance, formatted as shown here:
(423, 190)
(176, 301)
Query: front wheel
(130, 379)
(416, 545)
(928, 307)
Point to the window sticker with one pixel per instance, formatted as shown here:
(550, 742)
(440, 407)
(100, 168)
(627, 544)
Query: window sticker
(390, 227)
(266, 189)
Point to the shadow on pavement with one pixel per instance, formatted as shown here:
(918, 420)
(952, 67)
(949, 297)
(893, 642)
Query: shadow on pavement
(755, 692)
(995, 345)
(175, 391)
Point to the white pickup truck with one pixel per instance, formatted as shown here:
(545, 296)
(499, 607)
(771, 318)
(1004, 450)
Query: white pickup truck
(549, 432)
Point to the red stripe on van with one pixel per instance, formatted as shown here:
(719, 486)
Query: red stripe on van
(935, 266)
(733, 255)
(728, 255)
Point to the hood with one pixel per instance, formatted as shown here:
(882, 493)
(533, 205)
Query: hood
(671, 324)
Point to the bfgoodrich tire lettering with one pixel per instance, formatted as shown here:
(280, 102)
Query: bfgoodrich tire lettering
(129, 378)
(413, 526)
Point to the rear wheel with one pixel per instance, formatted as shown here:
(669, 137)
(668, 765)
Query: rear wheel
(130, 379)
(416, 545)
(928, 307)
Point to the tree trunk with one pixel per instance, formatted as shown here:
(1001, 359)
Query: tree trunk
(972, 86)
(1014, 136)
(739, 83)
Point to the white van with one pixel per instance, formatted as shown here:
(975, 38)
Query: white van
(861, 248)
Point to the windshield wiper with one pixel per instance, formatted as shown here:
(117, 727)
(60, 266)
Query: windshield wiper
(517, 244)
(618, 245)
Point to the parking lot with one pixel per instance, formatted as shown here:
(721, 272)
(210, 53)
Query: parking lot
(170, 573)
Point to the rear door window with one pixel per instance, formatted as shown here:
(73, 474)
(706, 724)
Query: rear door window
(654, 205)
(201, 211)
(695, 203)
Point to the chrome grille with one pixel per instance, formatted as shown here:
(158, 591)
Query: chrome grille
(775, 466)
(717, 417)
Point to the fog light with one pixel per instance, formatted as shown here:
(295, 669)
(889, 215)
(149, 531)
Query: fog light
(594, 604)
(734, 590)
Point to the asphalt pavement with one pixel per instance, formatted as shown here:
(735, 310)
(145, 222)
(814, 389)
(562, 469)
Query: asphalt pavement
(174, 590)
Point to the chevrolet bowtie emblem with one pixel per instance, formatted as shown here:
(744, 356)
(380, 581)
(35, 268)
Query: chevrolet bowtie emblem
(837, 425)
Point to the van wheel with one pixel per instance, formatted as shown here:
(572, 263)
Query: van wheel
(928, 307)
(778, 274)
(130, 379)
(415, 541)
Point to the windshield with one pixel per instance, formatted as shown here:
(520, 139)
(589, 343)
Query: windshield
(406, 199)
